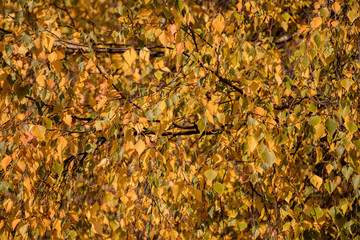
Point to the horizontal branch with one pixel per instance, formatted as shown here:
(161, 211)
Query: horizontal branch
(72, 48)
(185, 133)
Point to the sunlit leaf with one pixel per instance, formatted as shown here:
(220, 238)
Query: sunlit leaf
(210, 174)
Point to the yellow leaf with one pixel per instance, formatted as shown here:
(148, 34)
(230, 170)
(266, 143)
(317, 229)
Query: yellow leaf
(162, 105)
(38, 131)
(221, 118)
(60, 54)
(97, 227)
(163, 39)
(254, 86)
(83, 76)
(57, 66)
(73, 216)
(316, 181)
(316, 22)
(219, 24)
(52, 56)
(145, 54)
(22, 50)
(100, 104)
(67, 119)
(239, 6)
(132, 195)
(57, 227)
(62, 143)
(20, 166)
(189, 45)
(15, 223)
(27, 184)
(260, 111)
(197, 194)
(174, 234)
(62, 82)
(176, 190)
(217, 158)
(252, 143)
(40, 80)
(8, 205)
(334, 23)
(180, 47)
(5, 162)
(140, 147)
(278, 79)
(130, 56)
(50, 42)
(319, 131)
(47, 41)
(102, 163)
(46, 221)
(336, 7)
(124, 199)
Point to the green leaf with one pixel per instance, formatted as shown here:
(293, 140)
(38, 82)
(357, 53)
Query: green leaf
(335, 212)
(268, 158)
(356, 181)
(346, 83)
(219, 188)
(357, 144)
(312, 107)
(58, 167)
(330, 186)
(347, 171)
(210, 174)
(211, 211)
(351, 126)
(179, 5)
(345, 111)
(156, 181)
(314, 120)
(2, 147)
(331, 126)
(149, 115)
(317, 213)
(347, 143)
(242, 226)
(352, 15)
(207, 58)
(324, 12)
(317, 40)
(21, 91)
(201, 125)
(9, 49)
(47, 122)
(305, 60)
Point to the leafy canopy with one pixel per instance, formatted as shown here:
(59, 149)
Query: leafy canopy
(179, 119)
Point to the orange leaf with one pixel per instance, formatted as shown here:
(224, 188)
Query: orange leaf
(140, 147)
(5, 162)
(316, 22)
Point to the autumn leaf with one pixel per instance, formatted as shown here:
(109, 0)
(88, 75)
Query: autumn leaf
(130, 56)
